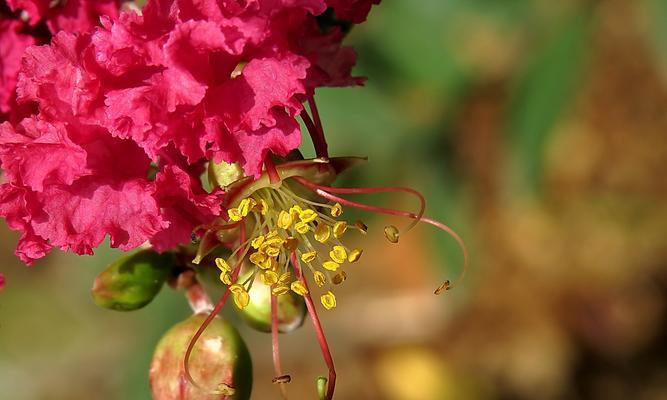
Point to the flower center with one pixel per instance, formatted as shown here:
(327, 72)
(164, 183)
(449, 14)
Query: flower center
(283, 223)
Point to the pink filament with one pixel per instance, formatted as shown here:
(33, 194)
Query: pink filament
(321, 338)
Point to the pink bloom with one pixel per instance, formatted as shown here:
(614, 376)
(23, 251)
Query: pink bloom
(67, 15)
(156, 94)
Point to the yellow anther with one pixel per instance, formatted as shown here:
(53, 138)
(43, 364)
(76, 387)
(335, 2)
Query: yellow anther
(262, 207)
(246, 205)
(330, 265)
(338, 254)
(284, 219)
(308, 256)
(236, 288)
(391, 233)
(291, 243)
(241, 299)
(328, 300)
(301, 227)
(225, 278)
(257, 258)
(280, 290)
(307, 215)
(234, 214)
(272, 239)
(285, 277)
(226, 390)
(272, 234)
(322, 232)
(269, 277)
(299, 288)
(269, 263)
(320, 279)
(336, 210)
(257, 242)
(339, 228)
(361, 226)
(222, 264)
(339, 278)
(295, 210)
(354, 255)
(272, 251)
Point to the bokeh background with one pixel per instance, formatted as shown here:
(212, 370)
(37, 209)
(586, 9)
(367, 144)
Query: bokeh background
(537, 130)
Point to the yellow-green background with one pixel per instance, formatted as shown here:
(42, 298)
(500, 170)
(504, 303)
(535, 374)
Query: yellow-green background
(537, 129)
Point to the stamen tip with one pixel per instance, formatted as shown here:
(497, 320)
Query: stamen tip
(446, 285)
(282, 379)
(391, 233)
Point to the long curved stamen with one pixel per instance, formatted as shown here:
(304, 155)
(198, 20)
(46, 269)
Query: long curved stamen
(321, 338)
(318, 124)
(220, 304)
(275, 346)
(383, 189)
(323, 191)
(271, 170)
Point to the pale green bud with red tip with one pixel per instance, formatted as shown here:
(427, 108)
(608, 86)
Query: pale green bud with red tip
(257, 314)
(132, 281)
(219, 364)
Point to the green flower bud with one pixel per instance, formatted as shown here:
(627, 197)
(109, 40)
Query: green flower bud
(219, 363)
(291, 309)
(131, 282)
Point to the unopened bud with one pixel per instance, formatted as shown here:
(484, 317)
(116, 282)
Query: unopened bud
(132, 282)
(219, 363)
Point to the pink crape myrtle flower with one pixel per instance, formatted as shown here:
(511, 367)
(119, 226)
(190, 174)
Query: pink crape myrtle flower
(67, 15)
(130, 112)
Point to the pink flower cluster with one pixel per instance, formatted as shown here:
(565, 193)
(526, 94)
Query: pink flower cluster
(130, 112)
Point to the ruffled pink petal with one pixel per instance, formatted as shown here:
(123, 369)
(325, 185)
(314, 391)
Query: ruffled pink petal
(38, 152)
(184, 205)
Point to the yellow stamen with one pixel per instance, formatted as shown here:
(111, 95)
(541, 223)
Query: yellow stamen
(330, 265)
(328, 300)
(338, 254)
(234, 214)
(257, 242)
(299, 288)
(280, 290)
(257, 258)
(301, 227)
(284, 219)
(285, 277)
(307, 215)
(336, 210)
(246, 205)
(295, 210)
(320, 279)
(269, 278)
(225, 278)
(235, 288)
(391, 233)
(308, 256)
(322, 232)
(262, 207)
(272, 251)
(269, 263)
(339, 228)
(222, 264)
(354, 255)
(241, 299)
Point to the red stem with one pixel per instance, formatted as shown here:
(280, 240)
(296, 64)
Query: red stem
(320, 190)
(319, 142)
(321, 338)
(275, 345)
(209, 318)
(316, 115)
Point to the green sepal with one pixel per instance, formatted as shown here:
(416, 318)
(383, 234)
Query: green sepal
(133, 281)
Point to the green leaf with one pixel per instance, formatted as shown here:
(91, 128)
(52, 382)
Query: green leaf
(133, 281)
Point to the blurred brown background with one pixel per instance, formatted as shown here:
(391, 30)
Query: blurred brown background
(537, 129)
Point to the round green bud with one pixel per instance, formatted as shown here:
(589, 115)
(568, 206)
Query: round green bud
(219, 363)
(291, 309)
(133, 281)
